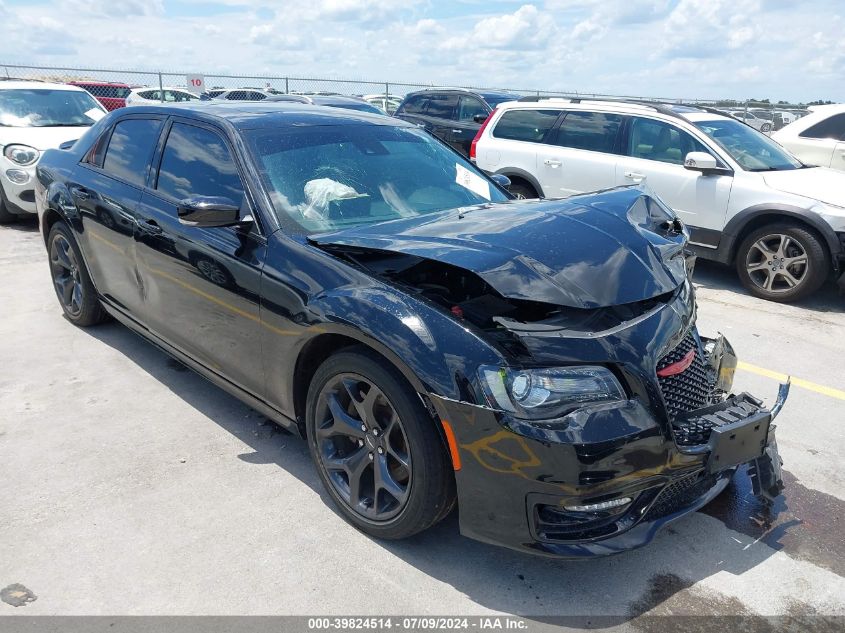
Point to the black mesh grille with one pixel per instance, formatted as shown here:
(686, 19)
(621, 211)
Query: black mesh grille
(687, 391)
(680, 494)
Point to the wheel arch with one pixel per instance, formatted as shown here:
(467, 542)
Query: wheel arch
(331, 340)
(516, 174)
(755, 217)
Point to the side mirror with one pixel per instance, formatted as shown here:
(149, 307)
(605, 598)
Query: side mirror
(480, 118)
(208, 211)
(500, 179)
(703, 162)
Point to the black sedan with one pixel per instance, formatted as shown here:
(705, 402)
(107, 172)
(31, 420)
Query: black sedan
(535, 362)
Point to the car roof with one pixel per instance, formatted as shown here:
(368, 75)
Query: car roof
(34, 85)
(687, 112)
(479, 93)
(326, 100)
(248, 115)
(82, 82)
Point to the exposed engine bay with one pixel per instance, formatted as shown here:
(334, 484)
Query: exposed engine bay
(468, 297)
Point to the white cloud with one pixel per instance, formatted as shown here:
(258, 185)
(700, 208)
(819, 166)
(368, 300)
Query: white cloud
(684, 48)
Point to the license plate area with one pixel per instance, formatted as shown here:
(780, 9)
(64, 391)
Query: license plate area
(738, 442)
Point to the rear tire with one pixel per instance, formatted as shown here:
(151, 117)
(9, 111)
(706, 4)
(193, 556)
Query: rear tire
(394, 479)
(782, 262)
(523, 191)
(71, 281)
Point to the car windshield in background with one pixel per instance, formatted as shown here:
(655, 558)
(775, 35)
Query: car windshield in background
(333, 177)
(48, 108)
(751, 149)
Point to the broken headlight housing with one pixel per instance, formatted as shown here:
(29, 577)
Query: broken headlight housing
(548, 393)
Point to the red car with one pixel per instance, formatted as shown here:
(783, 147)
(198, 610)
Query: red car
(111, 95)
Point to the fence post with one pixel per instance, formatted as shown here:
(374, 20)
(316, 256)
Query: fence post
(160, 89)
(386, 93)
(287, 88)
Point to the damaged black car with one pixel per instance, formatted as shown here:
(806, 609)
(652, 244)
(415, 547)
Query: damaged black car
(534, 364)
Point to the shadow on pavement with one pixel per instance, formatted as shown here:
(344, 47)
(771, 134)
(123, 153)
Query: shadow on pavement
(625, 586)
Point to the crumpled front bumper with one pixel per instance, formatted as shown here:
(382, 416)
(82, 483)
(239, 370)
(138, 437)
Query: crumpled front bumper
(522, 489)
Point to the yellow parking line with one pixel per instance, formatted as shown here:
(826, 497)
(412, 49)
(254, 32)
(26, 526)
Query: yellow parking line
(798, 382)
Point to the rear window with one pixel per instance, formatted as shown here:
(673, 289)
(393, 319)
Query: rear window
(525, 125)
(595, 131)
(131, 148)
(833, 127)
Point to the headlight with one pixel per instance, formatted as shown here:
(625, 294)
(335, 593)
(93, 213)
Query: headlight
(543, 394)
(21, 154)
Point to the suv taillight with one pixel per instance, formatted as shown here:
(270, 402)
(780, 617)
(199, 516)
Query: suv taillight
(479, 133)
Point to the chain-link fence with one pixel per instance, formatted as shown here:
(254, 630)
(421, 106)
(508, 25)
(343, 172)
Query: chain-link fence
(116, 88)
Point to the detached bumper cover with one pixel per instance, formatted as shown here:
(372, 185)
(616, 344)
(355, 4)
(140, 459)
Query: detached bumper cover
(520, 491)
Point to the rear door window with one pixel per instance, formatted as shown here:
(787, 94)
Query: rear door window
(595, 131)
(833, 127)
(525, 125)
(197, 162)
(130, 149)
(441, 106)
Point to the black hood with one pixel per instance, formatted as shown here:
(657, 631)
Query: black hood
(590, 251)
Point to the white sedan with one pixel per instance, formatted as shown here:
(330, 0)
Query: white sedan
(36, 116)
(818, 138)
(147, 96)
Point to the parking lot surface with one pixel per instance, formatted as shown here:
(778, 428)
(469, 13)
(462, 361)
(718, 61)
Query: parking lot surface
(133, 486)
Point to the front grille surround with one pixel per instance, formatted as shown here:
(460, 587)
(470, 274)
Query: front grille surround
(687, 391)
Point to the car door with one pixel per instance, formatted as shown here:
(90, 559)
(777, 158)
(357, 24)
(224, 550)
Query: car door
(201, 285)
(580, 154)
(107, 189)
(438, 117)
(654, 154)
(465, 126)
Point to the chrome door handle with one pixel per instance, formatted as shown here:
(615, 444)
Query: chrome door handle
(551, 162)
(456, 131)
(632, 175)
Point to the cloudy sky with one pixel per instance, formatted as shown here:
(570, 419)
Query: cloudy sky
(778, 49)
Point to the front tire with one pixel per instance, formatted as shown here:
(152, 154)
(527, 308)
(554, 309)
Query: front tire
(377, 450)
(74, 289)
(782, 262)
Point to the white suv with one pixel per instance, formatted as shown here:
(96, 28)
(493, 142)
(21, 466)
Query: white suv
(744, 198)
(36, 116)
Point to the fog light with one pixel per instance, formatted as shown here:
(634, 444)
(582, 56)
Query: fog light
(17, 176)
(596, 507)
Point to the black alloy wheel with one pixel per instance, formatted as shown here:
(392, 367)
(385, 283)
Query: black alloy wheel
(363, 447)
(74, 289)
(66, 276)
(377, 448)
